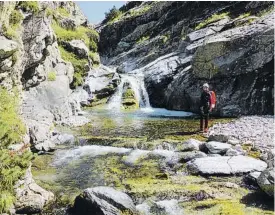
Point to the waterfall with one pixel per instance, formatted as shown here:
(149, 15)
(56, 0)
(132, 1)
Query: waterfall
(136, 83)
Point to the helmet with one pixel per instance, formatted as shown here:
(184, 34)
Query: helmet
(205, 85)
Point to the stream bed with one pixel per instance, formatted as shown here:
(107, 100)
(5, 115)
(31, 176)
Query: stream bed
(136, 152)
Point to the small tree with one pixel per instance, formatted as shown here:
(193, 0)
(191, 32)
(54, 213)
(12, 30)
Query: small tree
(112, 14)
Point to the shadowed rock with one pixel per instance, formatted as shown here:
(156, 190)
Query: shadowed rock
(103, 201)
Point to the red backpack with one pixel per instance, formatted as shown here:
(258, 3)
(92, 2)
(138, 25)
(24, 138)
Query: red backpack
(213, 99)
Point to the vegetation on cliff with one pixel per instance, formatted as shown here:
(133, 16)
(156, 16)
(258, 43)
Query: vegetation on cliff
(12, 163)
(88, 36)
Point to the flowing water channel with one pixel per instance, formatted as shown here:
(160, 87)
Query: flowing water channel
(136, 152)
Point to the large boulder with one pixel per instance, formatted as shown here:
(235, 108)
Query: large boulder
(31, 198)
(266, 181)
(217, 147)
(78, 47)
(225, 165)
(190, 145)
(187, 156)
(102, 82)
(266, 178)
(7, 47)
(103, 201)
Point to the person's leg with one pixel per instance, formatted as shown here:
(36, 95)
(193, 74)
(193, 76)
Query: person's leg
(206, 122)
(201, 123)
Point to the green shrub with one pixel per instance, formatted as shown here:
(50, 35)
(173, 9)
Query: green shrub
(93, 46)
(62, 11)
(10, 33)
(51, 76)
(6, 201)
(78, 79)
(11, 126)
(213, 18)
(14, 21)
(15, 18)
(81, 33)
(49, 12)
(94, 57)
(113, 15)
(13, 166)
(29, 6)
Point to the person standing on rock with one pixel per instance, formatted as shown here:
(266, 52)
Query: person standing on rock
(205, 107)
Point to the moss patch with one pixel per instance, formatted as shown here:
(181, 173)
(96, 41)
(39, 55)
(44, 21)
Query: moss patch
(51, 76)
(143, 39)
(217, 207)
(213, 18)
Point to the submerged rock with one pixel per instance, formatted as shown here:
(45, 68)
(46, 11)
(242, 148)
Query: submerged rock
(129, 100)
(63, 139)
(103, 201)
(225, 165)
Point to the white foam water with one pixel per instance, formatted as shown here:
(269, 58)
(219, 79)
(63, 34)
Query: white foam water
(66, 156)
(136, 83)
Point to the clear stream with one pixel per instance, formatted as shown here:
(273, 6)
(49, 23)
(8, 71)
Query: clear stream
(133, 151)
(137, 152)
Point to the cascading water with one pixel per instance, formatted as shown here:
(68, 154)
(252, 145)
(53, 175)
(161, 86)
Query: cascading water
(136, 83)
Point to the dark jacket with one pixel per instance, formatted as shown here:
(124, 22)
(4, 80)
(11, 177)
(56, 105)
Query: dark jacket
(205, 100)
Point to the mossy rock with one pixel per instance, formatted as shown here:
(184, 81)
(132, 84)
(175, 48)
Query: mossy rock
(129, 100)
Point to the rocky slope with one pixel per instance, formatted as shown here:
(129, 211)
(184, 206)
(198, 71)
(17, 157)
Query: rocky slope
(180, 45)
(44, 48)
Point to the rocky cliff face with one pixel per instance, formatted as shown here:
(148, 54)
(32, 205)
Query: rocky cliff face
(181, 45)
(34, 60)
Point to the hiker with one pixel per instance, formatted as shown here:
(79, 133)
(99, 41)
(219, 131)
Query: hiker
(205, 108)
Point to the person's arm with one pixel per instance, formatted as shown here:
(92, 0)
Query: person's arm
(209, 101)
